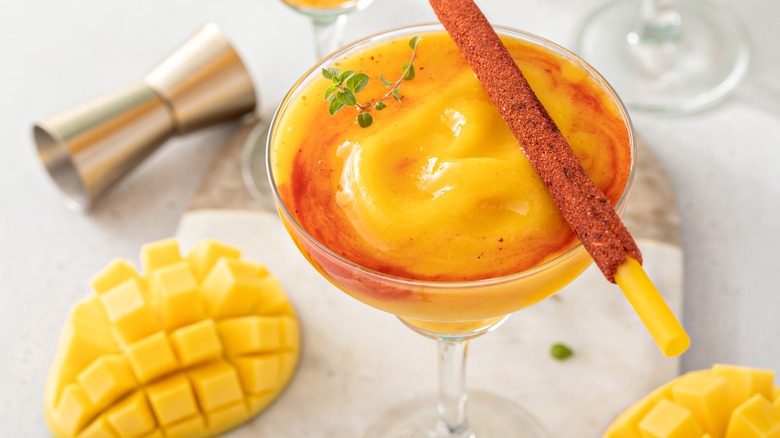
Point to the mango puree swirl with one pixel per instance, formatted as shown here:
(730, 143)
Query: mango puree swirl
(437, 188)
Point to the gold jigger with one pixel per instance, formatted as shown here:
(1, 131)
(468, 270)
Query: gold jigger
(88, 148)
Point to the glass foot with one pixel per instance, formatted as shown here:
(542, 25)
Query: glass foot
(489, 416)
(691, 70)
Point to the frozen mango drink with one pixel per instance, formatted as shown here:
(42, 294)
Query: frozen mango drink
(400, 182)
(433, 212)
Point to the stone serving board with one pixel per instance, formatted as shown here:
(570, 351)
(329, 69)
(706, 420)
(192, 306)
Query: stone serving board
(359, 363)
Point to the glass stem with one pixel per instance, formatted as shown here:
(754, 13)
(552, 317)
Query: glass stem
(328, 32)
(453, 421)
(659, 23)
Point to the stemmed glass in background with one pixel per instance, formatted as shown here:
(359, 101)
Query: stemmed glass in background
(452, 313)
(328, 19)
(666, 56)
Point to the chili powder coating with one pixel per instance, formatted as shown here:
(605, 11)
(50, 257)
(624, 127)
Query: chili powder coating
(583, 205)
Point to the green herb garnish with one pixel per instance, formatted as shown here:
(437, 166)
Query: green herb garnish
(348, 83)
(561, 351)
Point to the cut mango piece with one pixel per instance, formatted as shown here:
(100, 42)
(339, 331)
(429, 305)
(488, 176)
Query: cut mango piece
(232, 288)
(175, 296)
(75, 409)
(259, 374)
(116, 273)
(159, 254)
(216, 385)
(726, 401)
(129, 313)
(206, 253)
(197, 343)
(172, 399)
(755, 418)
(152, 357)
(744, 382)
(257, 334)
(669, 420)
(706, 396)
(107, 379)
(167, 355)
(132, 416)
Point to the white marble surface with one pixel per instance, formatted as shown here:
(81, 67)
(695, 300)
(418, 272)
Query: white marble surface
(723, 163)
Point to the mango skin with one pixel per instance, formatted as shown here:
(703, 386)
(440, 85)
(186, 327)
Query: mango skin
(193, 346)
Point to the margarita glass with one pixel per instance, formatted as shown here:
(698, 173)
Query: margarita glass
(444, 286)
(666, 56)
(328, 19)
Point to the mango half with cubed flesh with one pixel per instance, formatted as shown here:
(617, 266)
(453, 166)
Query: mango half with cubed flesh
(193, 347)
(726, 401)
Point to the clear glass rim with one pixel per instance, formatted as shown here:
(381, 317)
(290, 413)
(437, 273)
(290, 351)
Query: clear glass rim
(432, 284)
(324, 12)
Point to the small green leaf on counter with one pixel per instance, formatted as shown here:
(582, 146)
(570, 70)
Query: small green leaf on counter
(561, 351)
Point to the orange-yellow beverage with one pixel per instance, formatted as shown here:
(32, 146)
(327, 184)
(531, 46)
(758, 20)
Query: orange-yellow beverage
(437, 190)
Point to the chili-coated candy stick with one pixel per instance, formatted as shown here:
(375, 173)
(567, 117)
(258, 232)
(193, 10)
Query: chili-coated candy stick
(583, 205)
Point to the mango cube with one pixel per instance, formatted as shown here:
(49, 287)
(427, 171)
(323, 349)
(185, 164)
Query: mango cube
(669, 420)
(232, 288)
(107, 379)
(744, 381)
(726, 401)
(159, 254)
(116, 273)
(132, 416)
(216, 385)
(259, 374)
(755, 418)
(129, 312)
(197, 343)
(251, 334)
(172, 399)
(143, 357)
(175, 296)
(206, 253)
(707, 397)
(152, 357)
(75, 409)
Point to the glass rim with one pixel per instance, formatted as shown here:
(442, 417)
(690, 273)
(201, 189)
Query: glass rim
(430, 27)
(328, 13)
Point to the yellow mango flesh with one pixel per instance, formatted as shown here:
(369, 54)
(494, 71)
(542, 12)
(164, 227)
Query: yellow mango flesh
(726, 401)
(193, 347)
(437, 188)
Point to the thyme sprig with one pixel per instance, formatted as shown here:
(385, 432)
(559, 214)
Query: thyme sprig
(348, 83)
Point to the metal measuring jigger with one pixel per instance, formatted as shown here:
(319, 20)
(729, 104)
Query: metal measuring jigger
(88, 148)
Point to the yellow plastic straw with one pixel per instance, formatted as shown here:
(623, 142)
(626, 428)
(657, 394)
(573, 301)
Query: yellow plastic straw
(651, 308)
